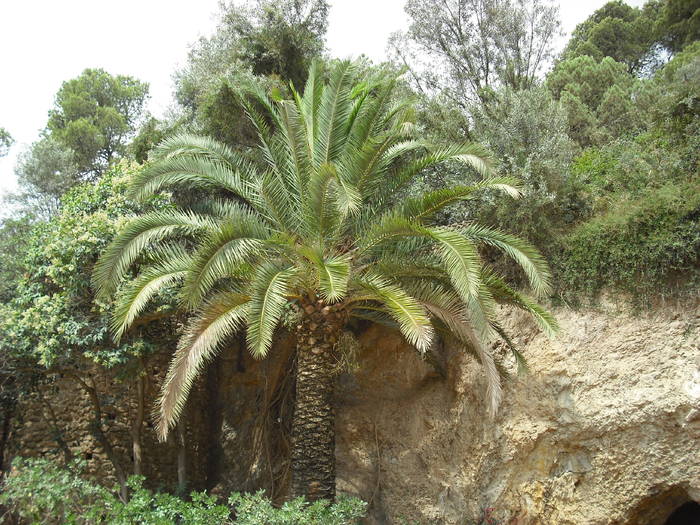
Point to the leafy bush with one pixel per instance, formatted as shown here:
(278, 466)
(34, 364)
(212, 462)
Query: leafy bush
(255, 509)
(642, 245)
(625, 168)
(40, 492)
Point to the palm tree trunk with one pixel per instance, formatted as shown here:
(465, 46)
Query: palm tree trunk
(313, 424)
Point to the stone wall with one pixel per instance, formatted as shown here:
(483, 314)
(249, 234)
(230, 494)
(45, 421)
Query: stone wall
(57, 421)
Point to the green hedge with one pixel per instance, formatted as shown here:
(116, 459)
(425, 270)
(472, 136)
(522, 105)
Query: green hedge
(642, 246)
(39, 492)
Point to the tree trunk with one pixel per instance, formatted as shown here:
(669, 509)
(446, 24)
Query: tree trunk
(137, 425)
(313, 426)
(7, 414)
(181, 459)
(101, 437)
(52, 420)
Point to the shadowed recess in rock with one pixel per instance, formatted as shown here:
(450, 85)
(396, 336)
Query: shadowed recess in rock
(686, 514)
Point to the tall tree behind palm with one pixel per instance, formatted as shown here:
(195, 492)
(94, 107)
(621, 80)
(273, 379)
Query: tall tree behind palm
(316, 224)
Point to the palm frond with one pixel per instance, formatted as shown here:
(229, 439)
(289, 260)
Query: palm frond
(310, 103)
(481, 311)
(297, 155)
(408, 312)
(374, 315)
(448, 307)
(369, 114)
(281, 208)
(225, 253)
(333, 273)
(193, 172)
(269, 287)
(223, 316)
(376, 157)
(473, 155)
(334, 110)
(136, 236)
(428, 204)
(321, 214)
(461, 261)
(522, 252)
(133, 298)
(348, 200)
(505, 294)
(189, 144)
(476, 157)
(386, 228)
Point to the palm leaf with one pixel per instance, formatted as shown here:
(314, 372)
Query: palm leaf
(427, 205)
(188, 144)
(320, 201)
(504, 293)
(292, 129)
(461, 261)
(473, 155)
(223, 316)
(269, 288)
(522, 252)
(310, 102)
(225, 253)
(449, 309)
(193, 172)
(334, 110)
(333, 273)
(409, 314)
(136, 236)
(133, 298)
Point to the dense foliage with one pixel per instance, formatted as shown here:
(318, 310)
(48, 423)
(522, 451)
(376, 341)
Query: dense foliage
(465, 48)
(618, 31)
(40, 492)
(647, 245)
(610, 125)
(93, 118)
(95, 114)
(52, 316)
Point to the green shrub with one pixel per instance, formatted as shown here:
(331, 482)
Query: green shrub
(255, 509)
(644, 245)
(38, 491)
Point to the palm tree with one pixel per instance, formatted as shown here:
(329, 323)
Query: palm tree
(318, 226)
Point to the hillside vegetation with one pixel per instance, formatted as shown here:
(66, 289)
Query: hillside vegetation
(476, 148)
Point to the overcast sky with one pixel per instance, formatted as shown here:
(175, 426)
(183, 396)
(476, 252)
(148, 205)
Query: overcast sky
(45, 42)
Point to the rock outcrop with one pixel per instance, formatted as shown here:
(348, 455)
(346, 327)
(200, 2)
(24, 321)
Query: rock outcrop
(604, 429)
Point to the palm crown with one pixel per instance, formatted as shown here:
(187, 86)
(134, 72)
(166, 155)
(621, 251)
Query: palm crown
(318, 217)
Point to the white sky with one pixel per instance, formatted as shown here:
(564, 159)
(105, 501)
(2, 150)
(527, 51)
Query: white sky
(45, 42)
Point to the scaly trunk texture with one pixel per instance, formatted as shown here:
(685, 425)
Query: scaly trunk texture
(313, 424)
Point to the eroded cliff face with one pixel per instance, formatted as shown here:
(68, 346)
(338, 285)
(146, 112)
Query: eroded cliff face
(604, 429)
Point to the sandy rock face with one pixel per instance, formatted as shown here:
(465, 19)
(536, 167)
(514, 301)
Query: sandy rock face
(604, 429)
